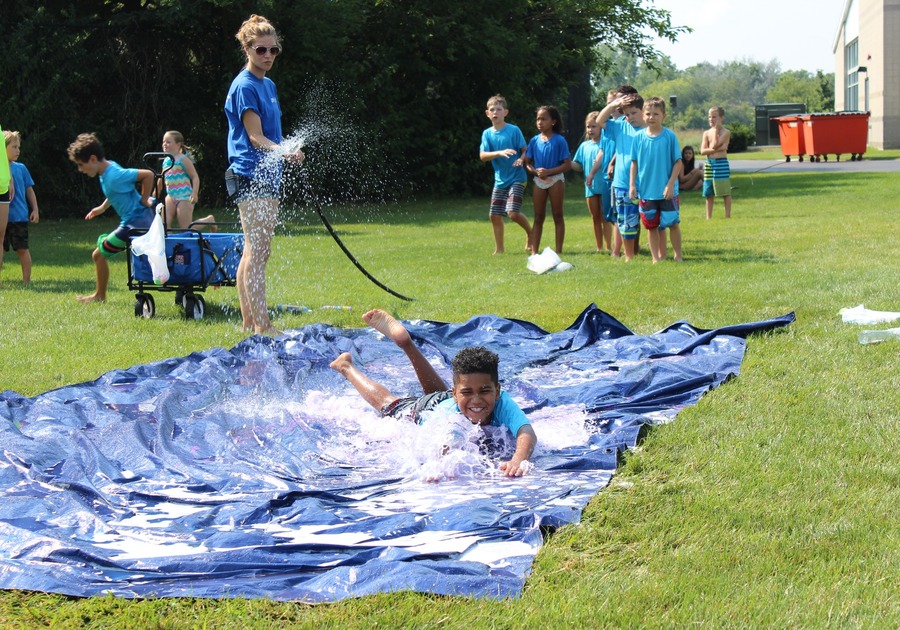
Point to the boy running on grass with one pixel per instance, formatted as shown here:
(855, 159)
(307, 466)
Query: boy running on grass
(118, 185)
(476, 392)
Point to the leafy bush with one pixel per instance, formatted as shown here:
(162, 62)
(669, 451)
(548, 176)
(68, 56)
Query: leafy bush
(742, 137)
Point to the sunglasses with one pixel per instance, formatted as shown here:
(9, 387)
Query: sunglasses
(262, 50)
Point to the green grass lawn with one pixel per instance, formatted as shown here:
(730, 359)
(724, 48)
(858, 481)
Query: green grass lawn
(772, 502)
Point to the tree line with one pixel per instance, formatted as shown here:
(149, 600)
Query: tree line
(398, 82)
(412, 78)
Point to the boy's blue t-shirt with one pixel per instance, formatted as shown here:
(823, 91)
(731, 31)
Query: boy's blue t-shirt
(118, 185)
(622, 133)
(18, 207)
(510, 137)
(550, 153)
(249, 92)
(608, 146)
(585, 155)
(506, 412)
(655, 158)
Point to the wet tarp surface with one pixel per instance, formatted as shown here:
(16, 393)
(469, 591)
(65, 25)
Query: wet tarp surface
(259, 472)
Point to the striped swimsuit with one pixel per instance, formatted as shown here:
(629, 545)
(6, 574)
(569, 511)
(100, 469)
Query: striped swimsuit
(178, 184)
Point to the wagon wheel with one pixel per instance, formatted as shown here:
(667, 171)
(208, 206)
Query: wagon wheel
(194, 306)
(144, 306)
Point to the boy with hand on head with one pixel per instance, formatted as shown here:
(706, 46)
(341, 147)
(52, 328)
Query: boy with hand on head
(655, 167)
(503, 145)
(23, 207)
(622, 131)
(118, 185)
(476, 392)
(716, 171)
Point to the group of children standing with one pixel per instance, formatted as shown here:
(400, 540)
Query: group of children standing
(632, 165)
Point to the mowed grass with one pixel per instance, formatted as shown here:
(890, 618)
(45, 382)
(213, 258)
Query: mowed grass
(772, 502)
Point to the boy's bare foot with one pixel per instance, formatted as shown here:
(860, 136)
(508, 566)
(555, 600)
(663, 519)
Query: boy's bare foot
(270, 330)
(93, 297)
(387, 326)
(499, 251)
(342, 363)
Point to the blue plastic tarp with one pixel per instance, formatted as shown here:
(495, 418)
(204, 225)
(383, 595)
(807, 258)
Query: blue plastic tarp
(259, 472)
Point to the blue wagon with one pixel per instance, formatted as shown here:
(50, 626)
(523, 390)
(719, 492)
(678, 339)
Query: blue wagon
(196, 261)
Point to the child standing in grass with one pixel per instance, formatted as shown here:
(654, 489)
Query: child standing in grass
(503, 145)
(548, 158)
(716, 171)
(622, 131)
(182, 183)
(118, 185)
(655, 167)
(23, 208)
(594, 187)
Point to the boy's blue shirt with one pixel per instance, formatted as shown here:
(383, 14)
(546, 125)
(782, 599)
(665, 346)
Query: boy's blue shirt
(622, 133)
(655, 155)
(510, 137)
(506, 412)
(18, 207)
(118, 185)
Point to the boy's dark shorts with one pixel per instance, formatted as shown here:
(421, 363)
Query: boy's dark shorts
(4, 197)
(16, 236)
(412, 407)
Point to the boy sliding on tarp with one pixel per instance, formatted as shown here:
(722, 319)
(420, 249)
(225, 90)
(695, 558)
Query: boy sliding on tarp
(475, 393)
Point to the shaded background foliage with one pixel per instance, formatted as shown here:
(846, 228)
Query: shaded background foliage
(413, 77)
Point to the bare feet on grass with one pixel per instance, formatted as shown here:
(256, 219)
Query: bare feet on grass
(93, 297)
(387, 326)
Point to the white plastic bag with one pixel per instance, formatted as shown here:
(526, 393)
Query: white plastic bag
(153, 245)
(861, 315)
(547, 260)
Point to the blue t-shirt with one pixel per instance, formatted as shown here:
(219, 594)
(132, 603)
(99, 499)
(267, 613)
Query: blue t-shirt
(550, 153)
(18, 207)
(584, 156)
(510, 137)
(622, 133)
(655, 157)
(608, 146)
(249, 92)
(118, 185)
(506, 412)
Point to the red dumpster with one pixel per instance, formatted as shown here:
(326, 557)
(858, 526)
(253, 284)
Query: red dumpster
(837, 133)
(790, 132)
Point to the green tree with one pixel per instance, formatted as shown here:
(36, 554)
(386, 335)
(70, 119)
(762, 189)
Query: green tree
(800, 86)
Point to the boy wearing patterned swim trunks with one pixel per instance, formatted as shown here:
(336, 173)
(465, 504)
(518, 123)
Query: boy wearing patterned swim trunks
(622, 131)
(118, 185)
(503, 145)
(475, 394)
(716, 171)
(655, 167)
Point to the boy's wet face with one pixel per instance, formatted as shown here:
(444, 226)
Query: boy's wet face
(476, 395)
(714, 118)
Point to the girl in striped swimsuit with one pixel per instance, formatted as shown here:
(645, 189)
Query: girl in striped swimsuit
(182, 184)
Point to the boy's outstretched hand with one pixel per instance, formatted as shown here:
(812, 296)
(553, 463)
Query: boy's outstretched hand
(516, 468)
